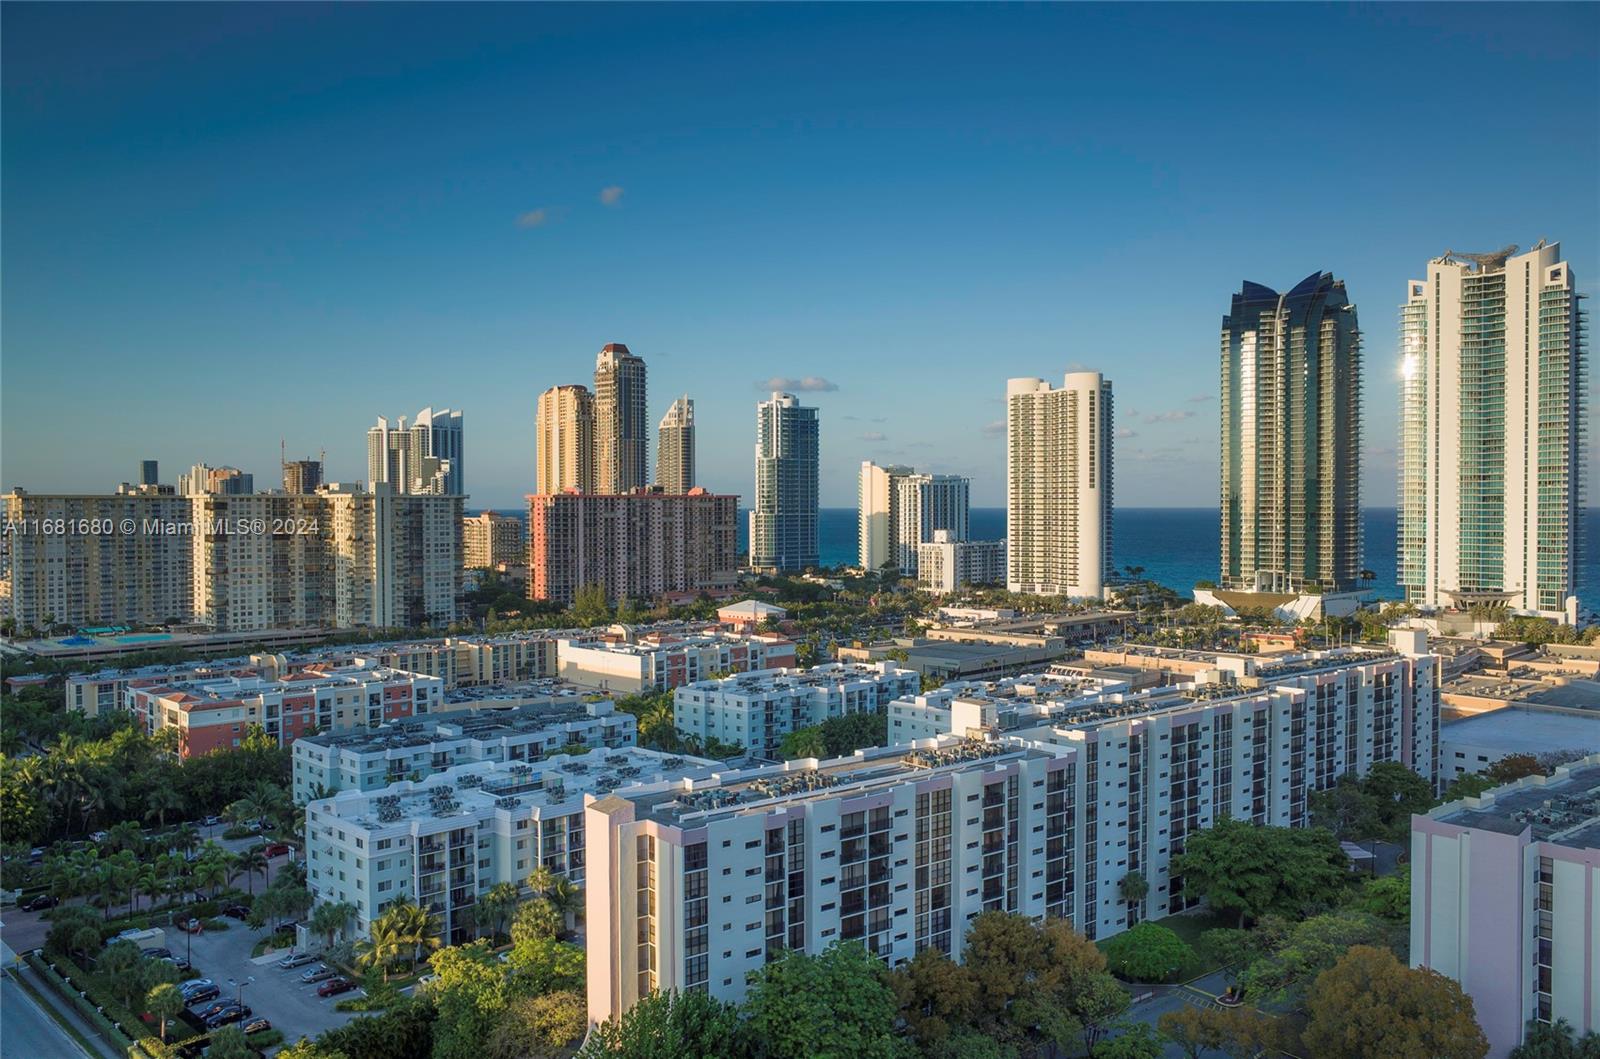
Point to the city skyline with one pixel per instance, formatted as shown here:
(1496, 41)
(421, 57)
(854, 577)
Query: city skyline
(929, 222)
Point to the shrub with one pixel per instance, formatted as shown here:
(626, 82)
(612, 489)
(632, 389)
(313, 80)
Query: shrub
(1147, 953)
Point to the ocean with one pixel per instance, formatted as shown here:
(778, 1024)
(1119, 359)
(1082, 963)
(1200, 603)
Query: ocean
(1177, 546)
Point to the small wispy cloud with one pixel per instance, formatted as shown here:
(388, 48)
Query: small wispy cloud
(610, 196)
(1176, 416)
(1127, 432)
(874, 435)
(806, 384)
(534, 218)
(995, 429)
(1200, 398)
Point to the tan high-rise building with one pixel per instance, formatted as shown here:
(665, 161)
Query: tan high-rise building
(877, 494)
(566, 443)
(620, 427)
(301, 476)
(635, 546)
(488, 539)
(1058, 485)
(675, 447)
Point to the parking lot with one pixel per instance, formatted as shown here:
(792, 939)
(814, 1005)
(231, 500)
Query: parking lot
(280, 995)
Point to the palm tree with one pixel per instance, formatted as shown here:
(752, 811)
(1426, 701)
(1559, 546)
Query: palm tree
(566, 897)
(329, 919)
(164, 1002)
(162, 799)
(381, 945)
(149, 881)
(212, 871)
(248, 862)
(495, 906)
(414, 926)
(540, 880)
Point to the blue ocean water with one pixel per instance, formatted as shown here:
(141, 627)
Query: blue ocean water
(1177, 546)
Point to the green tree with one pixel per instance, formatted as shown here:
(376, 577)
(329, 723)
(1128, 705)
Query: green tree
(247, 862)
(1557, 1040)
(803, 742)
(331, 918)
(470, 995)
(1370, 1004)
(1377, 805)
(1246, 870)
(1513, 767)
(669, 1025)
(834, 1006)
(535, 918)
(164, 1002)
(494, 908)
(1133, 888)
(1148, 952)
(1467, 785)
(404, 1031)
(539, 1027)
(1311, 947)
(1387, 896)
(229, 1043)
(590, 607)
(937, 998)
(1134, 1040)
(118, 965)
(543, 965)
(1191, 1030)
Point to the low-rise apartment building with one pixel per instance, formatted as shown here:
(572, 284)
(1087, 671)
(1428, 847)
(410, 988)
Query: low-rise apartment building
(1505, 899)
(444, 841)
(947, 564)
(366, 760)
(696, 883)
(756, 710)
(626, 662)
(214, 713)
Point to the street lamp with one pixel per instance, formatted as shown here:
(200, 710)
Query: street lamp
(238, 996)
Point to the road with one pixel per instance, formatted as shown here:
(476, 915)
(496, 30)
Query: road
(26, 1029)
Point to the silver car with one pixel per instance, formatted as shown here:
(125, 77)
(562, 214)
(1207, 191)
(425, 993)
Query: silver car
(296, 959)
(318, 974)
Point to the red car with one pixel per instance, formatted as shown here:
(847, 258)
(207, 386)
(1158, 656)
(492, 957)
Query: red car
(190, 926)
(276, 849)
(335, 986)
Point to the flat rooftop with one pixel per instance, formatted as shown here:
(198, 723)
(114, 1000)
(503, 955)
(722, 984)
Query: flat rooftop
(1564, 809)
(756, 790)
(423, 731)
(469, 791)
(827, 674)
(1516, 730)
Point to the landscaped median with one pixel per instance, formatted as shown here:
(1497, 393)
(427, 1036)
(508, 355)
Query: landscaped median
(65, 980)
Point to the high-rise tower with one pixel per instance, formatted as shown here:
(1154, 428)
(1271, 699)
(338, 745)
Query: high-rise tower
(675, 447)
(1492, 425)
(877, 499)
(1291, 439)
(620, 428)
(1058, 485)
(783, 523)
(565, 444)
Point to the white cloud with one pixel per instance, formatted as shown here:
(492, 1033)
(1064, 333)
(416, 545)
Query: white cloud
(807, 384)
(1168, 417)
(874, 435)
(1127, 432)
(1200, 398)
(995, 429)
(534, 218)
(610, 196)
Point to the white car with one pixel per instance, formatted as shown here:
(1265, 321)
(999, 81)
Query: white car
(296, 959)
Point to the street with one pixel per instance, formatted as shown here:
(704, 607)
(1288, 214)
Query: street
(25, 1030)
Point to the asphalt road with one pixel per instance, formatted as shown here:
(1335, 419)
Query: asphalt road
(26, 1030)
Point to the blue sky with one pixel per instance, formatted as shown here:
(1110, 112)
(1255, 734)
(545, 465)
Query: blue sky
(230, 224)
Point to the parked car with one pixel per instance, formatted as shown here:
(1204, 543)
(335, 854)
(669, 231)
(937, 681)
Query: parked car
(231, 1013)
(180, 962)
(194, 983)
(190, 926)
(276, 849)
(155, 953)
(320, 973)
(201, 995)
(335, 986)
(211, 821)
(257, 1026)
(237, 911)
(296, 959)
(39, 904)
(214, 1008)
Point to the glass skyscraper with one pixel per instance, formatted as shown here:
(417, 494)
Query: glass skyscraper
(1492, 432)
(783, 523)
(1291, 439)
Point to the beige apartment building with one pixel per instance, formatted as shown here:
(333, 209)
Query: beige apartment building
(565, 457)
(488, 539)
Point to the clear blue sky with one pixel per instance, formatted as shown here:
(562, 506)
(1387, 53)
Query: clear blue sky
(230, 224)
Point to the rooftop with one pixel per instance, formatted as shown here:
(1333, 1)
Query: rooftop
(487, 725)
(829, 673)
(1563, 809)
(471, 791)
(1522, 731)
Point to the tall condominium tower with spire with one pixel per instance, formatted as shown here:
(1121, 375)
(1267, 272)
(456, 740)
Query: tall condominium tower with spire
(1291, 439)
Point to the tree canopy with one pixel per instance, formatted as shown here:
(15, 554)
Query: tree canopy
(1369, 1003)
(1247, 870)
